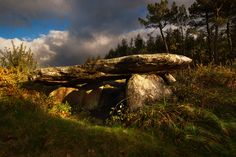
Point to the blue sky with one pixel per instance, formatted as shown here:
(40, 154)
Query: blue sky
(34, 29)
(66, 32)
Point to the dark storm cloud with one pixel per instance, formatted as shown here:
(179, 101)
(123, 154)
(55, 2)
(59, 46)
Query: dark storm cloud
(22, 12)
(92, 23)
(109, 16)
(70, 52)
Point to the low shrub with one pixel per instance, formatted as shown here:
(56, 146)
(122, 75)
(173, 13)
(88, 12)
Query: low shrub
(61, 109)
(20, 59)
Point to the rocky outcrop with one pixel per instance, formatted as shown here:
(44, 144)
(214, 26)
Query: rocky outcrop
(72, 76)
(111, 69)
(146, 90)
(85, 99)
(168, 78)
(147, 77)
(59, 94)
(98, 99)
(145, 63)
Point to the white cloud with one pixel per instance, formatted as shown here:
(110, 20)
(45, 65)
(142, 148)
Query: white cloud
(39, 46)
(61, 48)
(94, 26)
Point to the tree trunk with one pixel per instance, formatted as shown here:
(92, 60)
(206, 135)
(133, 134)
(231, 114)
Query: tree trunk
(164, 39)
(216, 55)
(183, 41)
(209, 38)
(230, 45)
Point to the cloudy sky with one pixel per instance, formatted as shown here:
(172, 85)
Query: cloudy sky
(66, 32)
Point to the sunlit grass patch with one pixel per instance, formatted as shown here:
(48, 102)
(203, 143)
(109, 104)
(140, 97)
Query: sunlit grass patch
(200, 122)
(33, 132)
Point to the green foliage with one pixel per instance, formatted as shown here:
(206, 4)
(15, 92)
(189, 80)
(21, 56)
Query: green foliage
(158, 17)
(27, 131)
(201, 122)
(201, 119)
(205, 82)
(180, 124)
(61, 109)
(18, 58)
(135, 46)
(206, 33)
(32, 125)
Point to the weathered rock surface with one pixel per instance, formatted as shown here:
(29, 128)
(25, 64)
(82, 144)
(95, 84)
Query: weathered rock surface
(72, 75)
(100, 97)
(60, 93)
(145, 90)
(144, 63)
(168, 78)
(111, 69)
(85, 99)
(147, 77)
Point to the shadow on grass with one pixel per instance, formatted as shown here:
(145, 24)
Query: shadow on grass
(25, 130)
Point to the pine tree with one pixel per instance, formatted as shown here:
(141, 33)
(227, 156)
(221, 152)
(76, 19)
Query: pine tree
(158, 18)
(139, 44)
(180, 19)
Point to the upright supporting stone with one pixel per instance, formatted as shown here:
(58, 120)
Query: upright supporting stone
(145, 90)
(59, 94)
(147, 74)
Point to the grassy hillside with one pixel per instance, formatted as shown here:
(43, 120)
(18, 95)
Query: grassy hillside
(200, 121)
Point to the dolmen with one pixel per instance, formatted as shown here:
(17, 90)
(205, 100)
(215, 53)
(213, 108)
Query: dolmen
(134, 80)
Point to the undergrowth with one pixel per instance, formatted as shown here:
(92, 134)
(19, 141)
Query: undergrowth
(203, 119)
(200, 123)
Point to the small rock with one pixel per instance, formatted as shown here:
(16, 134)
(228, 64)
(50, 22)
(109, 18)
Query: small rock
(168, 78)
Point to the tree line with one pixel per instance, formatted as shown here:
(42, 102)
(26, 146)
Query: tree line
(206, 32)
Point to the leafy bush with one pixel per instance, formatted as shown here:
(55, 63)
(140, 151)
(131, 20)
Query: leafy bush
(18, 58)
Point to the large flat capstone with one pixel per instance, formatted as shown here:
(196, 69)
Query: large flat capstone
(143, 63)
(111, 69)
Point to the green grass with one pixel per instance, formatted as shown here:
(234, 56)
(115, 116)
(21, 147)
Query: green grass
(202, 122)
(27, 131)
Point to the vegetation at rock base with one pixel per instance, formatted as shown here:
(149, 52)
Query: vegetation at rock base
(200, 121)
(19, 59)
